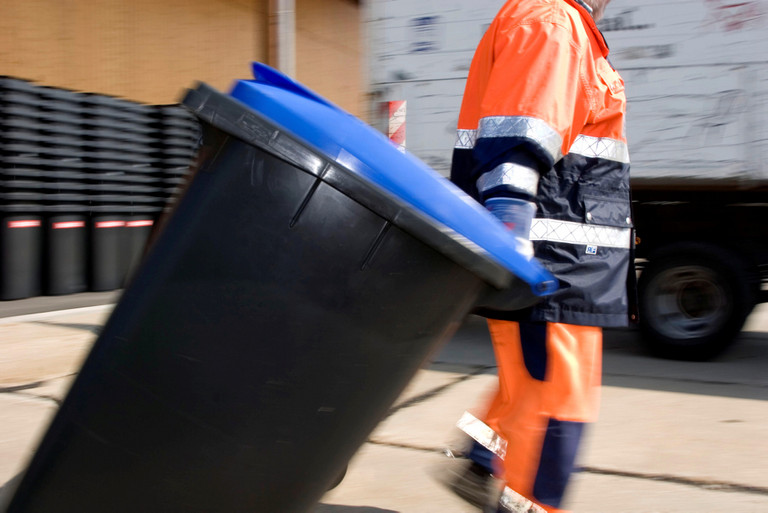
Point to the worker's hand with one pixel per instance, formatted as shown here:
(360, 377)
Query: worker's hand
(517, 215)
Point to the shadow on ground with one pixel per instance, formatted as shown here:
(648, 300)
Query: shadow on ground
(738, 373)
(332, 508)
(93, 328)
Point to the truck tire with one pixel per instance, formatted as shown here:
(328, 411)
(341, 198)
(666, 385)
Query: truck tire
(694, 299)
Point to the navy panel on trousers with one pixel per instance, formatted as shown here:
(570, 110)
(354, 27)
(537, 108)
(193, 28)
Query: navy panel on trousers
(558, 456)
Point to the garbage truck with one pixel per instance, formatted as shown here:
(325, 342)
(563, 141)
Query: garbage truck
(696, 74)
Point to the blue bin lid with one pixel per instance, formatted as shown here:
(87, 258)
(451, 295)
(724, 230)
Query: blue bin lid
(368, 153)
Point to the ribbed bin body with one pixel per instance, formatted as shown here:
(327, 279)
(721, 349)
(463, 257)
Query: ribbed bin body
(282, 309)
(250, 358)
(21, 195)
(21, 243)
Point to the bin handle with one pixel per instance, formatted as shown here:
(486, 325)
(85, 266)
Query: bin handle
(268, 75)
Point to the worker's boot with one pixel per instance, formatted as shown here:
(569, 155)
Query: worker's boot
(469, 480)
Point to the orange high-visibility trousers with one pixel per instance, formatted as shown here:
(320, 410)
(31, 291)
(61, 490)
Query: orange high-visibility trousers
(549, 382)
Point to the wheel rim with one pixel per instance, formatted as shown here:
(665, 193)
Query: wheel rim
(687, 302)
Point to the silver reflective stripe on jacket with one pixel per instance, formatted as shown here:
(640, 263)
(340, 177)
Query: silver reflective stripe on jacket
(481, 433)
(569, 232)
(518, 177)
(465, 139)
(524, 127)
(600, 147)
(584, 145)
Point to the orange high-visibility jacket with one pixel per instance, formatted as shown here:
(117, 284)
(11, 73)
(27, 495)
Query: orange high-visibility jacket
(542, 98)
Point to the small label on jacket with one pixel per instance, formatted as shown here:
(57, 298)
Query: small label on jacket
(591, 250)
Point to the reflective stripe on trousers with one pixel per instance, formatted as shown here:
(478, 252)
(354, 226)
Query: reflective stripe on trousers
(549, 378)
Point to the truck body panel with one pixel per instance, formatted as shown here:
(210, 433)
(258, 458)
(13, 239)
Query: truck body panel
(696, 75)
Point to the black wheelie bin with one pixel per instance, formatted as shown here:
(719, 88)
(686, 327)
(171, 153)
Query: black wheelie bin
(306, 273)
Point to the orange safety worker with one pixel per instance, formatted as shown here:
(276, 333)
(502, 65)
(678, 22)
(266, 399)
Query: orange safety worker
(541, 143)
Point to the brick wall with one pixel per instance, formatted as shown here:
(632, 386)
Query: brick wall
(150, 50)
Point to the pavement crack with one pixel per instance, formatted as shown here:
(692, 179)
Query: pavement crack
(26, 391)
(705, 484)
(27, 395)
(397, 445)
(684, 380)
(21, 388)
(438, 390)
(44, 397)
(92, 328)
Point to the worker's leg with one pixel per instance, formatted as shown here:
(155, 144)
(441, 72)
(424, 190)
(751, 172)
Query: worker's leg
(489, 448)
(549, 377)
(513, 425)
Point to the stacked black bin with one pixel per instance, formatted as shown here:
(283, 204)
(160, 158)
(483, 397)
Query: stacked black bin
(66, 205)
(122, 178)
(21, 224)
(83, 179)
(42, 179)
(179, 139)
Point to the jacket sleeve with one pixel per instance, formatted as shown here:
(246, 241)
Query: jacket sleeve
(535, 103)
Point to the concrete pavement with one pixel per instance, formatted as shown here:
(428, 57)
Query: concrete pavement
(673, 436)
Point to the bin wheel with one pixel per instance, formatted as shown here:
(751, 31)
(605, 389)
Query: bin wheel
(694, 299)
(339, 478)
